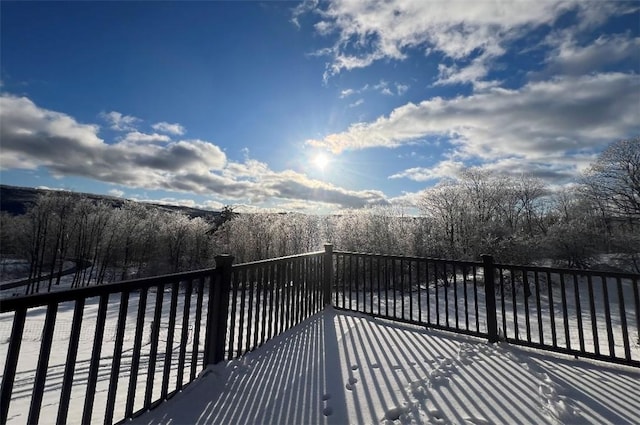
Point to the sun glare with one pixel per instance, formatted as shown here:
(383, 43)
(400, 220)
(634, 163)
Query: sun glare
(321, 161)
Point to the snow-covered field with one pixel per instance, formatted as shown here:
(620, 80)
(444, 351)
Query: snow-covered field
(339, 368)
(13, 268)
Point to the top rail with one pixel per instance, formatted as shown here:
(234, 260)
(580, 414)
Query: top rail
(38, 300)
(277, 259)
(578, 272)
(403, 257)
(533, 268)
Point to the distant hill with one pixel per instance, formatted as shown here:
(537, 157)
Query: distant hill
(17, 200)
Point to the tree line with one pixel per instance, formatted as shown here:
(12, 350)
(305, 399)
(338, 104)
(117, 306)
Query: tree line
(517, 219)
(106, 243)
(594, 222)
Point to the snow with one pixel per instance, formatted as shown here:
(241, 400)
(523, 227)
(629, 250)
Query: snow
(340, 367)
(462, 312)
(31, 341)
(22, 275)
(13, 268)
(32, 338)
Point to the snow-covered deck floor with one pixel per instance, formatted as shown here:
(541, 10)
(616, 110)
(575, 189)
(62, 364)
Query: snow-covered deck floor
(345, 368)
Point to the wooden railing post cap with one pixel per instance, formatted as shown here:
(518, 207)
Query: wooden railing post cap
(486, 257)
(328, 247)
(224, 260)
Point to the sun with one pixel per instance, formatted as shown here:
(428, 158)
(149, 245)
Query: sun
(321, 161)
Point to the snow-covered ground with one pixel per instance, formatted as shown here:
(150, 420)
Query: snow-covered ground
(13, 268)
(340, 368)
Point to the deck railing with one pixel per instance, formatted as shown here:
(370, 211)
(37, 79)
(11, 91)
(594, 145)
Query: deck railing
(159, 310)
(166, 329)
(271, 296)
(583, 313)
(149, 338)
(437, 293)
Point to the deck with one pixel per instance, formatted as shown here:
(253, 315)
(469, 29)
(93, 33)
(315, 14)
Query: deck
(339, 367)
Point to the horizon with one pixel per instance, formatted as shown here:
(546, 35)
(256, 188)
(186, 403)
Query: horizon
(312, 107)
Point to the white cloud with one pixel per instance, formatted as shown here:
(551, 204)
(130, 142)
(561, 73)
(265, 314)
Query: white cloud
(29, 133)
(182, 202)
(558, 115)
(569, 57)
(444, 169)
(346, 93)
(57, 189)
(116, 192)
(295, 206)
(553, 122)
(34, 137)
(165, 127)
(120, 122)
(356, 103)
(301, 9)
(250, 168)
(408, 199)
(461, 30)
(293, 186)
(137, 137)
(401, 88)
(558, 168)
(474, 72)
(382, 87)
(212, 205)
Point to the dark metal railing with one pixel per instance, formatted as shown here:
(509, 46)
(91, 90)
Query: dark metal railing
(151, 337)
(437, 293)
(272, 296)
(164, 311)
(583, 313)
(166, 329)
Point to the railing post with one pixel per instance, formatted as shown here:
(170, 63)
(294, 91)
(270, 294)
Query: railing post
(328, 274)
(490, 298)
(219, 288)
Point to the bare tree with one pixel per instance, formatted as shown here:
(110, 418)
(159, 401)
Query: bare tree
(37, 235)
(614, 179)
(612, 184)
(573, 230)
(61, 208)
(444, 205)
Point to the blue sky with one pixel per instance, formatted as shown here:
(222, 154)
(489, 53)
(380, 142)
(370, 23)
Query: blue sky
(310, 106)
